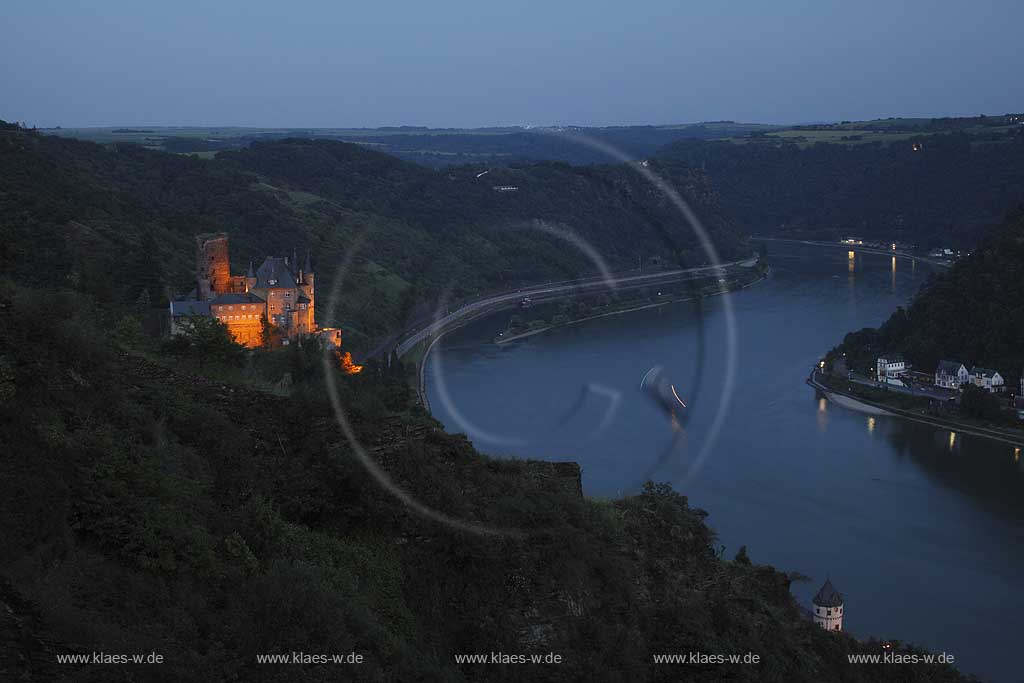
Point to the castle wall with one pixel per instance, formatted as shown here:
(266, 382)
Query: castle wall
(277, 305)
(243, 321)
(238, 284)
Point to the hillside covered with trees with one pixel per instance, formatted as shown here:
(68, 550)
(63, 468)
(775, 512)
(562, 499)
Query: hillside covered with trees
(207, 508)
(939, 189)
(118, 221)
(973, 312)
(152, 505)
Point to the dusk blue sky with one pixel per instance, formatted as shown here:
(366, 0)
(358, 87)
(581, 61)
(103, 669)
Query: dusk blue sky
(515, 62)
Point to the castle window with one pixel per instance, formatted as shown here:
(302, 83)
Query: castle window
(829, 612)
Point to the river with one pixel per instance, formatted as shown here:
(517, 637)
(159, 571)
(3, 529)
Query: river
(921, 530)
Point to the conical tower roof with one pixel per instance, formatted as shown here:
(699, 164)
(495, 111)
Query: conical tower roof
(828, 596)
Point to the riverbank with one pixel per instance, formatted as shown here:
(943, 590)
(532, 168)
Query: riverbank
(857, 248)
(502, 340)
(419, 343)
(861, 404)
(421, 361)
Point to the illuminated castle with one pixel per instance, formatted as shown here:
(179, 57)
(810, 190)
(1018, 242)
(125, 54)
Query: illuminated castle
(279, 291)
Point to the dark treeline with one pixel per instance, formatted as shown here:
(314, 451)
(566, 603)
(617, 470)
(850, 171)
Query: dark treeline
(439, 148)
(944, 192)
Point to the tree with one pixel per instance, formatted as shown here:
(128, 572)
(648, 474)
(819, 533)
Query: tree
(207, 339)
(976, 402)
(144, 274)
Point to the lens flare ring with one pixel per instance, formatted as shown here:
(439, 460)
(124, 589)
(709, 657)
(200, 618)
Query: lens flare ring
(438, 326)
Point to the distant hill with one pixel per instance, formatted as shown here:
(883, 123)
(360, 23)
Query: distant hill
(435, 147)
(938, 189)
(973, 313)
(118, 220)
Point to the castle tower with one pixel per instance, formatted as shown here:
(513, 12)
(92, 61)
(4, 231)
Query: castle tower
(250, 277)
(828, 607)
(309, 291)
(213, 270)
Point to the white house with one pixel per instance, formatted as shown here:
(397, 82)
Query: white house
(987, 379)
(890, 368)
(951, 374)
(828, 608)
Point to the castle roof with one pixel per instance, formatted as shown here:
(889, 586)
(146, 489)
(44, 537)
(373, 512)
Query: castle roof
(274, 274)
(233, 298)
(828, 596)
(190, 307)
(984, 372)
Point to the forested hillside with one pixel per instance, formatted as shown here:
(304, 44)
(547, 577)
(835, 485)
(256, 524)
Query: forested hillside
(206, 507)
(117, 221)
(973, 313)
(930, 190)
(148, 507)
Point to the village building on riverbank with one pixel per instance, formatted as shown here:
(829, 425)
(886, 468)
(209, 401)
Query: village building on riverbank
(951, 374)
(891, 368)
(987, 379)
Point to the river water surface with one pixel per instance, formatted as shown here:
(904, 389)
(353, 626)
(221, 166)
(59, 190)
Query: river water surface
(922, 530)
